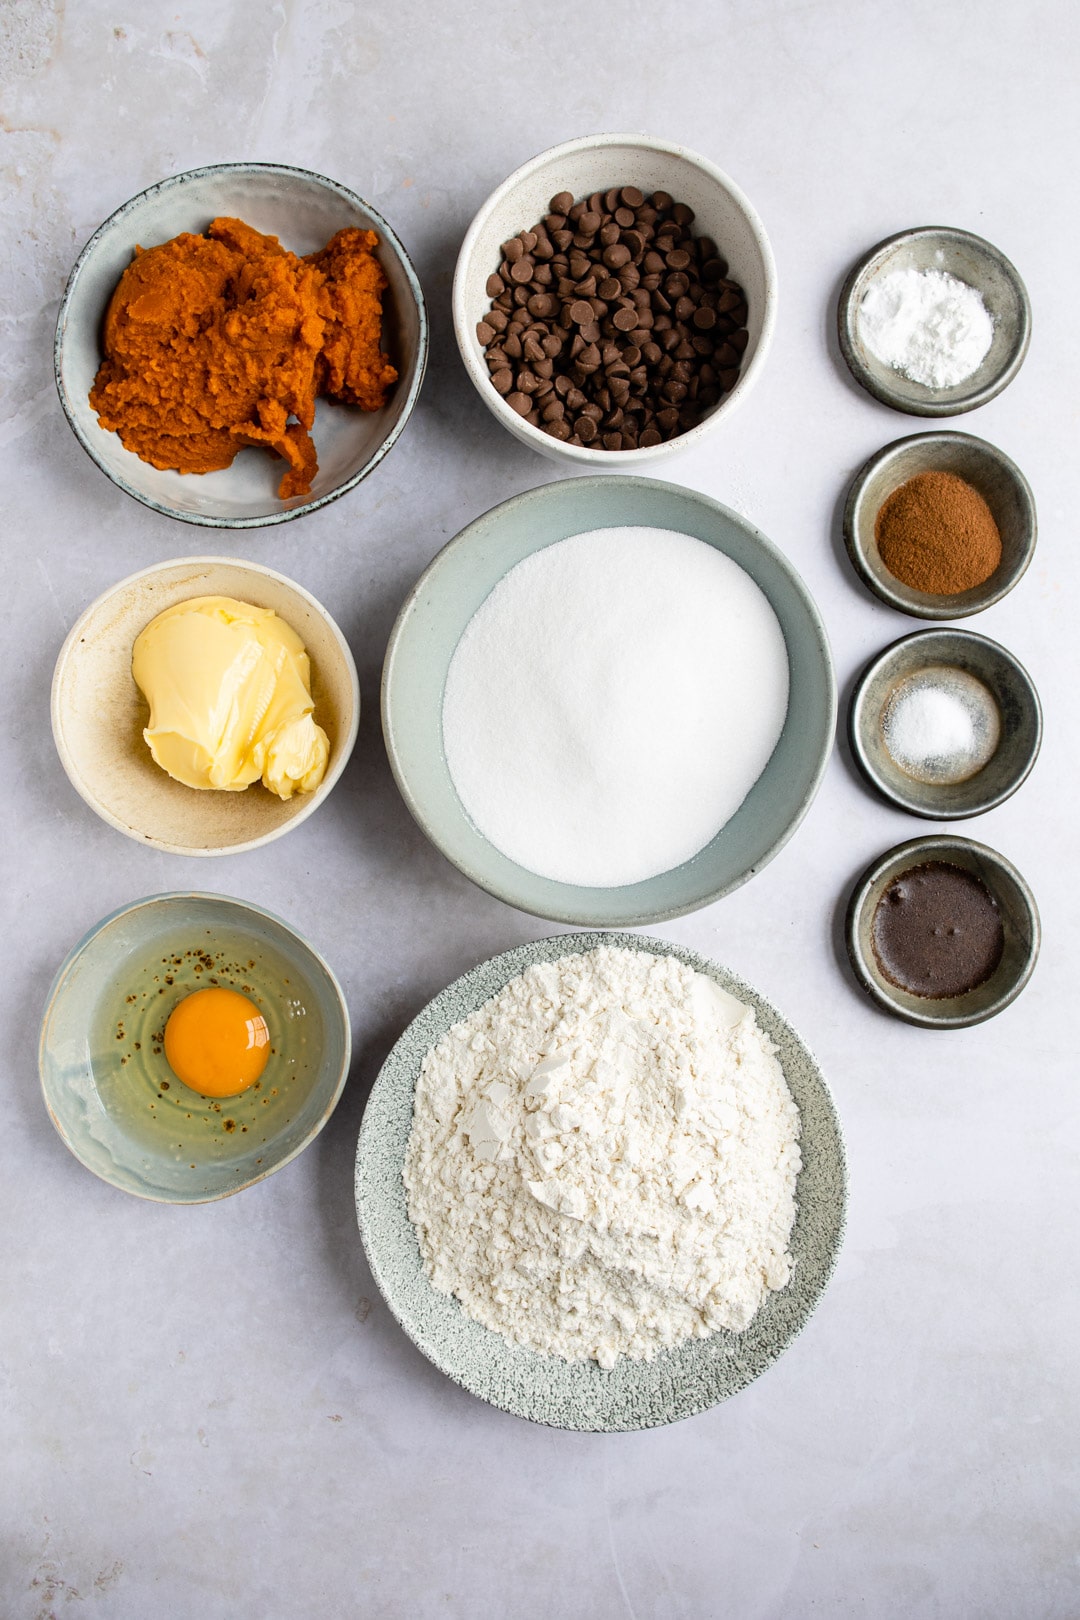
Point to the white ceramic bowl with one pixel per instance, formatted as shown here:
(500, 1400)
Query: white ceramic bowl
(98, 713)
(303, 210)
(597, 163)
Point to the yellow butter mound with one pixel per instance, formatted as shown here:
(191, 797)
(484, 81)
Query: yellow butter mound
(229, 689)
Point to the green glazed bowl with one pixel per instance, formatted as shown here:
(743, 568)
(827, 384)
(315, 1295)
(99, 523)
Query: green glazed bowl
(108, 1087)
(678, 1382)
(443, 601)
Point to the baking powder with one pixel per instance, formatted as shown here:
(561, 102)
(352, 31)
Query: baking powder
(927, 324)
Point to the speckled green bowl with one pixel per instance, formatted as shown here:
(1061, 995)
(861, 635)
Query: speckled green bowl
(461, 577)
(546, 1389)
(108, 1087)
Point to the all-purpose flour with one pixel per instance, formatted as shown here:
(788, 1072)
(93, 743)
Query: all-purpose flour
(603, 1159)
(612, 702)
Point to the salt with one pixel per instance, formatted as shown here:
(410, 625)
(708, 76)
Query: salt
(927, 324)
(611, 704)
(941, 725)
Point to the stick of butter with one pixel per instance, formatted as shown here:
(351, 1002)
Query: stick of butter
(229, 689)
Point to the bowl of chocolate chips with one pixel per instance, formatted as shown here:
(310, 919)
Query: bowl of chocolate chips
(614, 298)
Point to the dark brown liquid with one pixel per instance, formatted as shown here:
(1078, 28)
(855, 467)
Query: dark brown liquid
(937, 931)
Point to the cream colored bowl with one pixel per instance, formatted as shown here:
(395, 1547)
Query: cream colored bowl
(595, 163)
(98, 713)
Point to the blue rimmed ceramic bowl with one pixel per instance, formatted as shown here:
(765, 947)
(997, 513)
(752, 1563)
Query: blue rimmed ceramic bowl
(106, 1082)
(303, 210)
(443, 601)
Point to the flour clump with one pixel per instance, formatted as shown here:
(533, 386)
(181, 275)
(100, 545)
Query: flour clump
(603, 1159)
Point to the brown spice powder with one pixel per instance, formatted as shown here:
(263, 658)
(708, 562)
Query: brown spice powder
(937, 534)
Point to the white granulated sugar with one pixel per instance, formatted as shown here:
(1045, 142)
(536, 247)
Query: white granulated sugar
(927, 324)
(612, 702)
(603, 1159)
(941, 725)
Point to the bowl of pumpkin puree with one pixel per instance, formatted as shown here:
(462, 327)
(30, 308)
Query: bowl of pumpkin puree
(241, 344)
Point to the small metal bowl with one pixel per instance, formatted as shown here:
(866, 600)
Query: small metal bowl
(970, 259)
(1019, 915)
(1018, 707)
(986, 468)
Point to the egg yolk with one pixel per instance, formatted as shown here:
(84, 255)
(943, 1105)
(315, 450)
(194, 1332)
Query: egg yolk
(217, 1042)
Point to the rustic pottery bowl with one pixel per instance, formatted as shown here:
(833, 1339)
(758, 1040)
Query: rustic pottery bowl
(597, 163)
(986, 468)
(581, 1394)
(108, 1087)
(303, 210)
(98, 713)
(970, 259)
(443, 601)
(1019, 915)
(1013, 692)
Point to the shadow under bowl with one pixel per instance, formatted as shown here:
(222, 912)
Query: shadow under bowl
(1019, 918)
(303, 210)
(970, 259)
(108, 1087)
(988, 470)
(1018, 710)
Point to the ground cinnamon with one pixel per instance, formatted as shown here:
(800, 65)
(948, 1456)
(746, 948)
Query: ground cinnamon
(937, 534)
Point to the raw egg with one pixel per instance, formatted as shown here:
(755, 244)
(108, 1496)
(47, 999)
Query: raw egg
(217, 1042)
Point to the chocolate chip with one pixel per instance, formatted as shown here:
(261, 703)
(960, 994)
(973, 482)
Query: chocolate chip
(611, 324)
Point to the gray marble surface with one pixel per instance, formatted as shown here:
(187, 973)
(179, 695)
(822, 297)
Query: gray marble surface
(209, 1411)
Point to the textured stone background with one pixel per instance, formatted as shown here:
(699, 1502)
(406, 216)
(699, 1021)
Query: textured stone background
(209, 1411)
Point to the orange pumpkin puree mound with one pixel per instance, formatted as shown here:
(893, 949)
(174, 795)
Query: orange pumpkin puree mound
(220, 341)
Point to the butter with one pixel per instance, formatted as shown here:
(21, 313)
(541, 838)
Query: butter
(229, 689)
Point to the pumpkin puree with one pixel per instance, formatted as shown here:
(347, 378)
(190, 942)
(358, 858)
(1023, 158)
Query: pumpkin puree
(220, 341)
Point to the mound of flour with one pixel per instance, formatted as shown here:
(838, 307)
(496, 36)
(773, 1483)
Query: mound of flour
(603, 1159)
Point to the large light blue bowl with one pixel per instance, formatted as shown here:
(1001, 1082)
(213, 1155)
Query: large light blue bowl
(448, 593)
(108, 1086)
